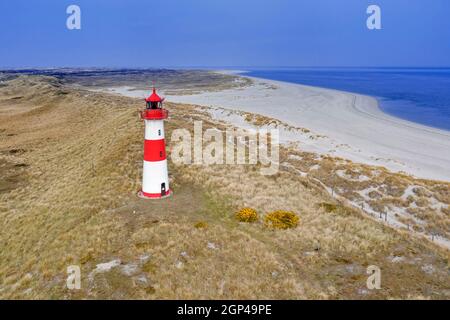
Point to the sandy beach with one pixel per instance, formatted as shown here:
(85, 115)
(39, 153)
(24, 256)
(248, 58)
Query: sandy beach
(349, 125)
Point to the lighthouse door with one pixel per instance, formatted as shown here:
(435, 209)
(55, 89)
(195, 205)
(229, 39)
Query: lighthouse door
(163, 189)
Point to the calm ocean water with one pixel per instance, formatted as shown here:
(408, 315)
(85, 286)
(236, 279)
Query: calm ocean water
(418, 95)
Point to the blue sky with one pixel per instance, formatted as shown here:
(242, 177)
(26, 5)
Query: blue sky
(138, 33)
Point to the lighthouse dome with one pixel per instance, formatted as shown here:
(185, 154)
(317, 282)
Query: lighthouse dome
(154, 97)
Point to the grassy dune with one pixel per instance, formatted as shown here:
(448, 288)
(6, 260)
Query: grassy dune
(70, 163)
(419, 206)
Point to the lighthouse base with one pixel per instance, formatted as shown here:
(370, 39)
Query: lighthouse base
(145, 195)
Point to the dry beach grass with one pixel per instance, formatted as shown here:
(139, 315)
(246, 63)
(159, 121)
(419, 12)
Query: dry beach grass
(70, 162)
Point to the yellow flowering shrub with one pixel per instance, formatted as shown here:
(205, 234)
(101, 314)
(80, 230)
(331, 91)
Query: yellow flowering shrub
(281, 219)
(247, 215)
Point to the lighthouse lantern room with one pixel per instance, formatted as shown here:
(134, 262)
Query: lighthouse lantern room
(155, 177)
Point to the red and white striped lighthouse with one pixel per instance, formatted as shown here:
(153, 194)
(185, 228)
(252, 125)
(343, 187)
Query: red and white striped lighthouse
(155, 177)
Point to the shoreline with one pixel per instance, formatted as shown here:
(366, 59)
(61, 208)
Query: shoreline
(377, 108)
(351, 126)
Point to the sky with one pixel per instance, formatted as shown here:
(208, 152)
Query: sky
(224, 33)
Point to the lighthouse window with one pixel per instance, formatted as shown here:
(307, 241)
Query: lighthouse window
(160, 154)
(159, 132)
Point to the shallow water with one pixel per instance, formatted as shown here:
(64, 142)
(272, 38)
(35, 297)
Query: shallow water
(418, 95)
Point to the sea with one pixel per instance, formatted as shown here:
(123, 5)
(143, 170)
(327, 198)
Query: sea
(416, 94)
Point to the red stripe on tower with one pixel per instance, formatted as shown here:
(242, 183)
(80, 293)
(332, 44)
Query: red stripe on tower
(154, 195)
(154, 150)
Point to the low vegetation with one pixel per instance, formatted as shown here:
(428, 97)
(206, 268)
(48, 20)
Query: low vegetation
(247, 215)
(201, 225)
(281, 219)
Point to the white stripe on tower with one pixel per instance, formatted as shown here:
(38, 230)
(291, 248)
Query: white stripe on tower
(155, 173)
(154, 129)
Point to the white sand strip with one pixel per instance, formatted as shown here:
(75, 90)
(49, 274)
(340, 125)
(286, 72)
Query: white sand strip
(354, 126)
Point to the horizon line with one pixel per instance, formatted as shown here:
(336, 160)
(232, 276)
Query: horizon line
(216, 67)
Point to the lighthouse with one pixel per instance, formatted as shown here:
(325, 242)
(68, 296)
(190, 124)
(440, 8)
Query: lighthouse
(155, 177)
